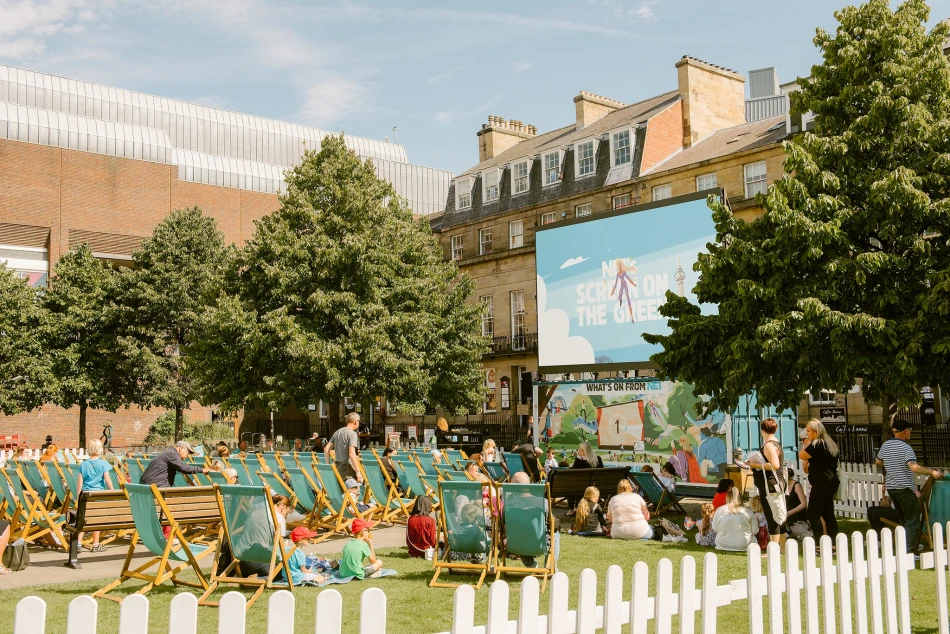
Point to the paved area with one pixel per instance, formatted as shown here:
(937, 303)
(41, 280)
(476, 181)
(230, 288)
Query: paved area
(46, 566)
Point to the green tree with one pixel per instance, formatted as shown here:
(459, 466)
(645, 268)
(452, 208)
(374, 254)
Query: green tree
(177, 273)
(837, 279)
(341, 293)
(25, 381)
(79, 336)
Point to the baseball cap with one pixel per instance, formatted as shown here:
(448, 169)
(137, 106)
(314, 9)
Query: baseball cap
(186, 445)
(900, 425)
(359, 525)
(350, 483)
(301, 532)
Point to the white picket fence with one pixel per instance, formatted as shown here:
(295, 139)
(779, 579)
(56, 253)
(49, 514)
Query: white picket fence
(864, 590)
(79, 454)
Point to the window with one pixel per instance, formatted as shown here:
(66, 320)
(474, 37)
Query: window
(706, 181)
(585, 158)
(516, 233)
(622, 200)
(484, 241)
(824, 397)
(548, 218)
(457, 247)
(518, 322)
(463, 193)
(582, 210)
(488, 317)
(662, 192)
(490, 180)
(755, 181)
(552, 168)
(519, 177)
(620, 147)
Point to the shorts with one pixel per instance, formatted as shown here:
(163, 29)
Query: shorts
(4, 525)
(370, 571)
(346, 470)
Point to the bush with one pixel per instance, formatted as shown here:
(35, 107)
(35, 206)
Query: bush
(162, 431)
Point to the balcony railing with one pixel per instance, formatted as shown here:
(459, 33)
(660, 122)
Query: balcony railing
(515, 344)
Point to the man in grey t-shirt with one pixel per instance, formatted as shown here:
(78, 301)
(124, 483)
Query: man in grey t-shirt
(345, 443)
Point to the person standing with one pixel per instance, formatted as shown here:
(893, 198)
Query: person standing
(345, 442)
(821, 453)
(166, 465)
(529, 456)
(770, 476)
(900, 464)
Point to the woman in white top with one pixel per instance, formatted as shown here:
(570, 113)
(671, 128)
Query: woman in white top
(489, 451)
(628, 514)
(735, 524)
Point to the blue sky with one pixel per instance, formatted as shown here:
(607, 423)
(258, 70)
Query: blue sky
(435, 69)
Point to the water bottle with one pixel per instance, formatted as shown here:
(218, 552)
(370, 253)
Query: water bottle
(430, 553)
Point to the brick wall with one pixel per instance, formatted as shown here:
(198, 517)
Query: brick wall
(664, 136)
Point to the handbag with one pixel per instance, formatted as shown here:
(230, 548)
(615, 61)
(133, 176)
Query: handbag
(776, 500)
(844, 484)
(16, 557)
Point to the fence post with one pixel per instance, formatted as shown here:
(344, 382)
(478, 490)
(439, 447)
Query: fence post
(557, 604)
(613, 599)
(498, 608)
(133, 615)
(663, 605)
(82, 616)
(710, 593)
(232, 613)
(280, 612)
(905, 561)
(183, 614)
(844, 583)
(329, 614)
(754, 587)
(463, 617)
(687, 607)
(773, 573)
(875, 571)
(30, 616)
(793, 587)
(890, 592)
(827, 583)
(940, 573)
(639, 600)
(810, 583)
(372, 612)
(528, 608)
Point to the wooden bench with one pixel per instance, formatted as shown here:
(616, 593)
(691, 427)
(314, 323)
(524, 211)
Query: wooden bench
(571, 483)
(697, 490)
(110, 511)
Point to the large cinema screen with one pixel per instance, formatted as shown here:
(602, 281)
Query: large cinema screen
(603, 278)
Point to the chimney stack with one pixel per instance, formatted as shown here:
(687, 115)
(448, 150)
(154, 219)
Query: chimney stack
(590, 108)
(498, 135)
(713, 98)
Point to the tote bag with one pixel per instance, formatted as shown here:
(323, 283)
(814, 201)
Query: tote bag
(776, 500)
(844, 483)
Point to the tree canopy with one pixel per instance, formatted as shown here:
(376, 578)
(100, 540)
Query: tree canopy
(341, 293)
(846, 272)
(25, 381)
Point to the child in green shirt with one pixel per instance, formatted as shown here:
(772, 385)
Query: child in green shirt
(357, 550)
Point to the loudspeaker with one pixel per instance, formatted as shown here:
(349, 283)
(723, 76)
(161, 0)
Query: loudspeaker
(526, 390)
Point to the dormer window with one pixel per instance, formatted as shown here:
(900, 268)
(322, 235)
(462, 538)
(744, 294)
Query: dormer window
(490, 185)
(584, 157)
(621, 147)
(463, 193)
(552, 168)
(519, 177)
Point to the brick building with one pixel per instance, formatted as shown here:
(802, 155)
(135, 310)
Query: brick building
(81, 162)
(693, 138)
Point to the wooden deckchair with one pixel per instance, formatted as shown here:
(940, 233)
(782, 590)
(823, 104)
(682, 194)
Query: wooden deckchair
(340, 506)
(526, 529)
(653, 490)
(465, 532)
(38, 521)
(390, 505)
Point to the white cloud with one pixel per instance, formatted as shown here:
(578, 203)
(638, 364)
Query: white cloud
(573, 261)
(435, 79)
(645, 11)
(449, 116)
(620, 9)
(521, 67)
(330, 99)
(21, 47)
(557, 346)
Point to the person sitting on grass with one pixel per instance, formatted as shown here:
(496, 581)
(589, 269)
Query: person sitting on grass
(300, 573)
(628, 515)
(359, 550)
(590, 521)
(735, 524)
(420, 528)
(722, 489)
(706, 536)
(94, 476)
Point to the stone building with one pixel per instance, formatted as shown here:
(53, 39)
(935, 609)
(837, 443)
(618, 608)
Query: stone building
(613, 155)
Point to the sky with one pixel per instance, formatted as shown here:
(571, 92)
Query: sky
(432, 69)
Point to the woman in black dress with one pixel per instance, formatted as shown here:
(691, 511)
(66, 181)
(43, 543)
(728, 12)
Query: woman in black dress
(821, 454)
(772, 472)
(586, 458)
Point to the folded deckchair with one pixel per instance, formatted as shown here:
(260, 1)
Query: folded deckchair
(148, 508)
(38, 520)
(653, 490)
(249, 534)
(469, 540)
(526, 529)
(390, 505)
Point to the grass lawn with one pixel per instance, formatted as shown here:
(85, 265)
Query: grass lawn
(414, 607)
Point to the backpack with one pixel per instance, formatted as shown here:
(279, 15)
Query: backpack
(16, 557)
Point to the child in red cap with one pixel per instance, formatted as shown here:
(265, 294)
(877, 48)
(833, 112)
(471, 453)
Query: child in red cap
(358, 550)
(300, 573)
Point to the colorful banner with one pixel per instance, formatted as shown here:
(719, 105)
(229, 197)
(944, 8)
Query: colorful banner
(602, 281)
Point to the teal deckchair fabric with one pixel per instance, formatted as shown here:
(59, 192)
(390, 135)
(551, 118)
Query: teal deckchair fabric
(432, 482)
(41, 521)
(135, 471)
(149, 526)
(71, 472)
(495, 471)
(654, 491)
(409, 479)
(276, 483)
(310, 470)
(272, 463)
(467, 531)
(379, 487)
(57, 484)
(7, 494)
(514, 462)
(306, 497)
(454, 456)
(251, 526)
(243, 475)
(425, 461)
(940, 503)
(332, 488)
(217, 477)
(525, 519)
(31, 471)
(180, 480)
(457, 476)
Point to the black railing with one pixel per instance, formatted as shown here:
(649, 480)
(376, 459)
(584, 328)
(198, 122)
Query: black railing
(515, 344)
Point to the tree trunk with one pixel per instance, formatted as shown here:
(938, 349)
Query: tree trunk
(83, 406)
(887, 417)
(178, 422)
